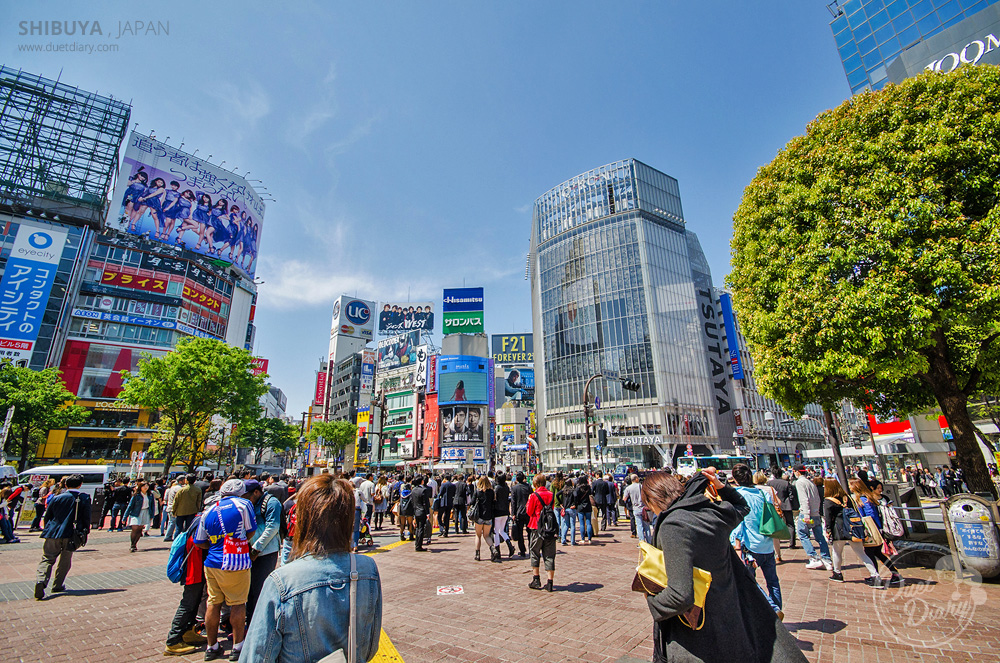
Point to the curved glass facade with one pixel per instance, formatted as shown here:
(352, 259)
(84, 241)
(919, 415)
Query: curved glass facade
(615, 281)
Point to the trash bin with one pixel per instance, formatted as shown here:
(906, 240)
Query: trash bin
(906, 499)
(971, 523)
(97, 507)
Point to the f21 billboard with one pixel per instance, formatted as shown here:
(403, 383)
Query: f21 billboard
(176, 198)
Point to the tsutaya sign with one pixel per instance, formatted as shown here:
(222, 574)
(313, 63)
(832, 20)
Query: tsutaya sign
(635, 441)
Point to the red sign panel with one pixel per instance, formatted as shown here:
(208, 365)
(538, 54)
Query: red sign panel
(320, 388)
(134, 281)
(432, 433)
(258, 365)
(197, 296)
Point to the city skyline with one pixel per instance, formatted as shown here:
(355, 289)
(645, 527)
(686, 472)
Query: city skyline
(405, 158)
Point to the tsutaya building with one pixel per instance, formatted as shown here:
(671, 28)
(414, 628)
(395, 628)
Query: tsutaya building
(619, 284)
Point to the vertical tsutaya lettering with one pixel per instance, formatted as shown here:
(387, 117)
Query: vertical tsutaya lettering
(708, 312)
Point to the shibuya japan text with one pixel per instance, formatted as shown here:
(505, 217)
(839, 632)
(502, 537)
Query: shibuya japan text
(328, 332)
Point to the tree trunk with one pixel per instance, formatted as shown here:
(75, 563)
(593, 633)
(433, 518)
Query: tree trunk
(954, 404)
(22, 463)
(168, 454)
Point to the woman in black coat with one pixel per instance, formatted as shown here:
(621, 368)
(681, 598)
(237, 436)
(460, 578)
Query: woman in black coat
(481, 514)
(692, 528)
(583, 498)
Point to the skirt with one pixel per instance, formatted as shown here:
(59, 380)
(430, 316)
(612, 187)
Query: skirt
(144, 518)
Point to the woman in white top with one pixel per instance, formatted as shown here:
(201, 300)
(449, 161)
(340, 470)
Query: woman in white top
(140, 511)
(760, 481)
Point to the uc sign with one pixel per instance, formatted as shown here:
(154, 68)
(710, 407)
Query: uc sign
(358, 312)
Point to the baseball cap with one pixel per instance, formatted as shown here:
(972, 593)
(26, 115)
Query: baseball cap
(233, 487)
(251, 485)
(800, 468)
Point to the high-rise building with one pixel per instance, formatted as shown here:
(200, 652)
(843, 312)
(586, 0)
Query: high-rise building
(871, 34)
(620, 286)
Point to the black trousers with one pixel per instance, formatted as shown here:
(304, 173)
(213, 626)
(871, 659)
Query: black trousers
(517, 533)
(790, 521)
(182, 523)
(444, 520)
(421, 524)
(461, 518)
(259, 571)
(187, 612)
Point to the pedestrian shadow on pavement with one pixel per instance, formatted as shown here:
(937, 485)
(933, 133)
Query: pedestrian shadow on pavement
(84, 592)
(821, 625)
(580, 587)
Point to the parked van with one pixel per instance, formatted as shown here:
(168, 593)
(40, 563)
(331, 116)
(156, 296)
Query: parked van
(94, 476)
(8, 473)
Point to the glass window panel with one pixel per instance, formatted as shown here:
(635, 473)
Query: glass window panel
(921, 9)
(909, 36)
(884, 35)
(896, 8)
(862, 31)
(879, 20)
(867, 45)
(949, 10)
(872, 60)
(929, 25)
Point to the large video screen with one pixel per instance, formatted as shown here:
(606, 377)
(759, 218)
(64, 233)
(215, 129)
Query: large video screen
(460, 423)
(179, 199)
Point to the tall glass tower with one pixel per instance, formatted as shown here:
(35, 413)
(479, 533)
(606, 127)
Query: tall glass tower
(870, 34)
(619, 284)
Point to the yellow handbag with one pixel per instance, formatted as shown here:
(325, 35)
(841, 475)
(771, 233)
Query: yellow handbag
(651, 579)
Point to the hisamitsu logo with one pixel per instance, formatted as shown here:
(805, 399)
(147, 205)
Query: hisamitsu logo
(40, 240)
(358, 312)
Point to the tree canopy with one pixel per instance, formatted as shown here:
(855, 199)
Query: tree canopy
(337, 435)
(199, 379)
(266, 433)
(41, 403)
(866, 255)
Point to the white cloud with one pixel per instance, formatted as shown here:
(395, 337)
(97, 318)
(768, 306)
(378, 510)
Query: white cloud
(248, 101)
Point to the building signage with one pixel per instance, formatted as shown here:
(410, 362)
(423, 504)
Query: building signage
(258, 365)
(187, 329)
(468, 322)
(972, 53)
(511, 349)
(641, 440)
(432, 363)
(353, 317)
(96, 289)
(463, 299)
(127, 319)
(463, 379)
(196, 296)
(24, 290)
(732, 340)
(397, 318)
(320, 388)
(713, 342)
(422, 355)
(134, 281)
(398, 351)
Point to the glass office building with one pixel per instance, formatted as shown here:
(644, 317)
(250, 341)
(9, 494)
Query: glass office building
(619, 284)
(870, 34)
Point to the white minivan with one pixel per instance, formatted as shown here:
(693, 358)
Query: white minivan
(94, 476)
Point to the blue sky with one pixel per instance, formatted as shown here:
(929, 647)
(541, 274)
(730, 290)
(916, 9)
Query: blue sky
(404, 142)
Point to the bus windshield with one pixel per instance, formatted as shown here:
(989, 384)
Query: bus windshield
(688, 465)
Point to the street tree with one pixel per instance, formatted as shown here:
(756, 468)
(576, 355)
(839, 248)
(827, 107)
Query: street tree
(266, 434)
(337, 435)
(199, 379)
(866, 256)
(41, 402)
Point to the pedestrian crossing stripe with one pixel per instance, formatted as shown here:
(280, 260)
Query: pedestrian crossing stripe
(386, 650)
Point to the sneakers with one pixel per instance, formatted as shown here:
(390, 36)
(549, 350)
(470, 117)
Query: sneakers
(875, 582)
(192, 637)
(548, 585)
(535, 583)
(814, 564)
(235, 655)
(828, 565)
(212, 654)
(58, 588)
(39, 591)
(180, 649)
(896, 579)
(837, 577)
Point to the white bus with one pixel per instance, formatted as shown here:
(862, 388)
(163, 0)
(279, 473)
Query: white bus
(94, 476)
(688, 465)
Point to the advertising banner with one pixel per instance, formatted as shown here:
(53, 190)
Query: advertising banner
(464, 322)
(463, 299)
(398, 351)
(422, 356)
(432, 363)
(432, 430)
(178, 199)
(353, 317)
(197, 296)
(519, 386)
(731, 338)
(24, 290)
(258, 365)
(511, 349)
(320, 388)
(491, 393)
(463, 379)
(398, 318)
(462, 423)
(134, 281)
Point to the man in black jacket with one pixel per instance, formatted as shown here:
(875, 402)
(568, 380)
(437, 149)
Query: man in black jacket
(65, 514)
(462, 490)
(601, 492)
(519, 495)
(420, 498)
(121, 495)
(446, 500)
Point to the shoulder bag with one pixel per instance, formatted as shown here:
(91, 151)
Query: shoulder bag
(651, 579)
(338, 656)
(77, 539)
(772, 523)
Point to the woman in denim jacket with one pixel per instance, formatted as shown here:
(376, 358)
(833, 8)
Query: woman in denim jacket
(303, 611)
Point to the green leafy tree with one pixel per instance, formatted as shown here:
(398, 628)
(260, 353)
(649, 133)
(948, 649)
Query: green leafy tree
(266, 433)
(200, 379)
(866, 256)
(41, 403)
(337, 435)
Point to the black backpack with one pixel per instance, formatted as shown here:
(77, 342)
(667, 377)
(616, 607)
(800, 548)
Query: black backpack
(548, 526)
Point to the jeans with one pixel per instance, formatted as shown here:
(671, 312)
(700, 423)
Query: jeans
(641, 526)
(183, 523)
(187, 612)
(165, 519)
(444, 521)
(586, 526)
(569, 526)
(816, 529)
(286, 550)
(171, 527)
(769, 567)
(118, 515)
(461, 519)
(39, 512)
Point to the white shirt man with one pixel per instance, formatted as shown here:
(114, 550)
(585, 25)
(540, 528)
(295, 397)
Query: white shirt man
(809, 521)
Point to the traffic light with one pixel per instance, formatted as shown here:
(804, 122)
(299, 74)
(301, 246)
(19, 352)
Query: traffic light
(630, 385)
(362, 445)
(393, 445)
(602, 437)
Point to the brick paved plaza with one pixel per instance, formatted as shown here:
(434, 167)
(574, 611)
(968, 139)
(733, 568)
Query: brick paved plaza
(119, 606)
